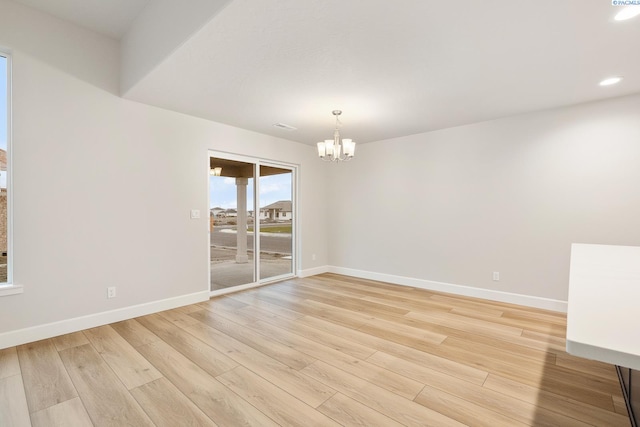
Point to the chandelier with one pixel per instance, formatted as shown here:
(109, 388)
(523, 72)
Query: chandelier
(336, 149)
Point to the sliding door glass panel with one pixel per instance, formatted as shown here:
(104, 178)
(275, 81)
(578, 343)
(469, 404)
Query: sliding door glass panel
(231, 223)
(276, 215)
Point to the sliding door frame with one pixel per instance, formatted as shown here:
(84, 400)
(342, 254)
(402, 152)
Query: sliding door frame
(257, 163)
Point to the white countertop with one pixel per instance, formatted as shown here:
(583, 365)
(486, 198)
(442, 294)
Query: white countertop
(603, 317)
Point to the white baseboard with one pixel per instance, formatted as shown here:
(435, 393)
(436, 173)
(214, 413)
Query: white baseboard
(313, 271)
(469, 291)
(40, 332)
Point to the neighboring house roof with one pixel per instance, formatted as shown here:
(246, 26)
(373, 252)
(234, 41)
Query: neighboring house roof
(216, 209)
(3, 160)
(282, 205)
(231, 211)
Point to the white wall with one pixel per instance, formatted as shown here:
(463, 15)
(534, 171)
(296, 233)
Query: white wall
(103, 186)
(509, 195)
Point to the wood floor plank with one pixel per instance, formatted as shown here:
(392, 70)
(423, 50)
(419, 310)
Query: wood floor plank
(467, 413)
(559, 319)
(135, 334)
(471, 312)
(346, 302)
(129, 365)
(178, 317)
(69, 413)
(544, 376)
(533, 375)
(266, 345)
(219, 307)
(619, 405)
(350, 412)
(46, 381)
(469, 302)
(515, 345)
(509, 341)
(589, 367)
(399, 384)
(466, 324)
(323, 311)
(227, 302)
(337, 343)
(74, 339)
(349, 318)
(402, 333)
(105, 398)
(450, 367)
(331, 279)
(273, 401)
(282, 299)
(544, 328)
(188, 309)
(218, 402)
(504, 350)
(481, 399)
(263, 307)
(529, 338)
(13, 403)
(308, 390)
(167, 406)
(542, 320)
(397, 295)
(9, 364)
(395, 407)
(592, 390)
(554, 402)
(353, 298)
(553, 342)
(316, 350)
(421, 305)
(208, 358)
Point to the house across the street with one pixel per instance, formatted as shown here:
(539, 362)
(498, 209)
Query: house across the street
(278, 211)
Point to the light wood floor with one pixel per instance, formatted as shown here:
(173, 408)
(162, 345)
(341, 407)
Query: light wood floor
(320, 351)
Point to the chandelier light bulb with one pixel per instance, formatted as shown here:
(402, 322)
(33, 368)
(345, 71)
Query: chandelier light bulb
(336, 149)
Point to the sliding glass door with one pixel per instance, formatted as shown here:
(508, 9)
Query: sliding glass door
(276, 221)
(251, 221)
(231, 190)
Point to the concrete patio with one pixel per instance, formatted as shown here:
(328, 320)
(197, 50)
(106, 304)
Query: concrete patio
(226, 272)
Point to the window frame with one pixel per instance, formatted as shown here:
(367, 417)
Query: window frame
(9, 287)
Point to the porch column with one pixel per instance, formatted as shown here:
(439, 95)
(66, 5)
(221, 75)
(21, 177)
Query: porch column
(241, 253)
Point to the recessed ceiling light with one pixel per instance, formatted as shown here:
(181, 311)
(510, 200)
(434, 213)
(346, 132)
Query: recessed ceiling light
(628, 13)
(610, 81)
(284, 126)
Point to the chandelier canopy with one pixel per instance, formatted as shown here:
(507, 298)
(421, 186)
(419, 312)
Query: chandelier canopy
(336, 149)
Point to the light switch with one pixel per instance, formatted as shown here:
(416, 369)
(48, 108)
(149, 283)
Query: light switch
(195, 213)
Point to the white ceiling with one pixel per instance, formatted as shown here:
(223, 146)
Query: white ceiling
(109, 17)
(394, 68)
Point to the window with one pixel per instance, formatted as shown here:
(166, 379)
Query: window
(5, 180)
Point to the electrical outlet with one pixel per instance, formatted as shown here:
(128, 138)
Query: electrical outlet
(496, 276)
(313, 257)
(195, 213)
(111, 292)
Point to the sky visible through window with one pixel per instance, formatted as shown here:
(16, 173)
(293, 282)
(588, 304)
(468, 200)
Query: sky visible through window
(273, 188)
